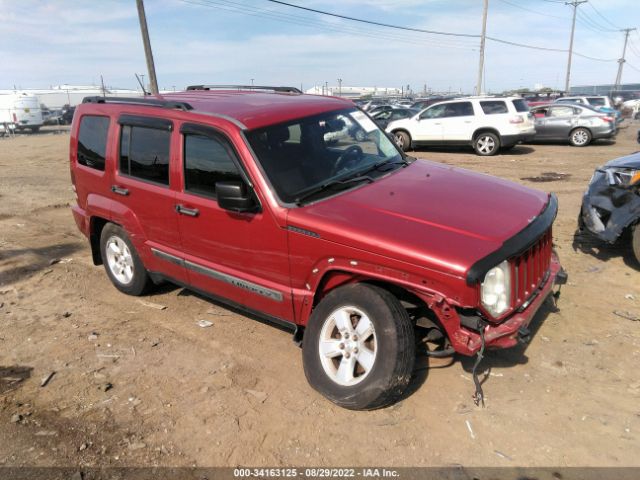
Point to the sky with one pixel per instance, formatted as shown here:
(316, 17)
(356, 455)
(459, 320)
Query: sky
(53, 42)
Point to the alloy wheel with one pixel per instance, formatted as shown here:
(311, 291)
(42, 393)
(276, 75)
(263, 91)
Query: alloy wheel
(119, 260)
(347, 346)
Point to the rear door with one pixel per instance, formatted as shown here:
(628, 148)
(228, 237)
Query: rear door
(240, 257)
(143, 200)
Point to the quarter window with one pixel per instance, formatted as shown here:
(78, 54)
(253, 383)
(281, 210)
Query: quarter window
(144, 153)
(92, 141)
(207, 160)
(521, 105)
(494, 107)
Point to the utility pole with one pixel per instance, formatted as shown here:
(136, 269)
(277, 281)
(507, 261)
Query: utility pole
(622, 60)
(153, 81)
(339, 87)
(573, 29)
(483, 39)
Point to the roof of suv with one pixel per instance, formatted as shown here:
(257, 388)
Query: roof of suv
(256, 109)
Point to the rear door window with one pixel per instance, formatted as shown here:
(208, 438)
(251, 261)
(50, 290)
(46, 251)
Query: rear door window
(92, 141)
(597, 101)
(144, 153)
(458, 109)
(494, 107)
(561, 111)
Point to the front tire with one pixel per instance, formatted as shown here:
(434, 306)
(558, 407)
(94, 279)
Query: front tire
(580, 137)
(635, 241)
(486, 144)
(359, 348)
(403, 140)
(121, 261)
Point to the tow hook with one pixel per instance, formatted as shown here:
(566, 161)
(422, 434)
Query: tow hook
(561, 279)
(524, 335)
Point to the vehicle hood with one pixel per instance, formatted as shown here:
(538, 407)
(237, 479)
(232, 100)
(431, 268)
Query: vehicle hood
(628, 161)
(428, 214)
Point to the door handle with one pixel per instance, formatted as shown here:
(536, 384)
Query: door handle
(191, 212)
(119, 190)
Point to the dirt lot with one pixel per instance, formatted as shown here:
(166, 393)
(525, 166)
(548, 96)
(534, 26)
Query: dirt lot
(134, 385)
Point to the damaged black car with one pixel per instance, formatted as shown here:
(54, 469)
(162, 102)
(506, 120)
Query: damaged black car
(611, 204)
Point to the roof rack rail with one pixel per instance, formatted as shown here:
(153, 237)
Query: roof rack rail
(245, 87)
(150, 102)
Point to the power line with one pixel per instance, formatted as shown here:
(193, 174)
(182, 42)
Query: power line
(302, 21)
(354, 19)
(593, 23)
(586, 21)
(602, 16)
(532, 11)
(305, 22)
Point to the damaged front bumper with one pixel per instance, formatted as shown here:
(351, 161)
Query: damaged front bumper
(465, 339)
(608, 209)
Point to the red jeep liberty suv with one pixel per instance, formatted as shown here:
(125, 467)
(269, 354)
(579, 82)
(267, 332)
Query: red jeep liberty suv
(299, 209)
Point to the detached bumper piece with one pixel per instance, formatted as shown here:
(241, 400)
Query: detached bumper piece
(607, 209)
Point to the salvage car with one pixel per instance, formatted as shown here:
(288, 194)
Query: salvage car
(352, 246)
(611, 204)
(577, 124)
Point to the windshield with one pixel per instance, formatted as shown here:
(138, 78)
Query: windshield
(304, 154)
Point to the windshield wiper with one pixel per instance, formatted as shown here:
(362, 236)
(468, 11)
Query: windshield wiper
(331, 184)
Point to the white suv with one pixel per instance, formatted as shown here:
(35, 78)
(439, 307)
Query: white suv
(485, 123)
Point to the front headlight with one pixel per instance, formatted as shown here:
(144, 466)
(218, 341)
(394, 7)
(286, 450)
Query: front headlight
(495, 291)
(622, 176)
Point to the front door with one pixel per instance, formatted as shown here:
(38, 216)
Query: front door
(457, 122)
(428, 125)
(240, 257)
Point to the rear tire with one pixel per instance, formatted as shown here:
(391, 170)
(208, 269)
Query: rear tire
(580, 137)
(486, 144)
(121, 261)
(359, 347)
(403, 140)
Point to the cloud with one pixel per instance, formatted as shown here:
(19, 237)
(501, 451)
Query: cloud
(76, 41)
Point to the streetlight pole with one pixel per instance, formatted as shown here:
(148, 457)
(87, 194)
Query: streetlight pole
(573, 29)
(339, 87)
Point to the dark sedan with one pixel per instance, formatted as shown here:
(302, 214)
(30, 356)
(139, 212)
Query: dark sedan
(577, 124)
(385, 117)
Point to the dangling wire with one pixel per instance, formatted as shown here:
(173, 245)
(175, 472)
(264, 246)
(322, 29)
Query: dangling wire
(478, 397)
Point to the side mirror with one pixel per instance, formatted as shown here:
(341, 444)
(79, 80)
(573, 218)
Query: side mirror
(233, 196)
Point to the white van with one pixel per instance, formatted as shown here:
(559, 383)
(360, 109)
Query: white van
(21, 109)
